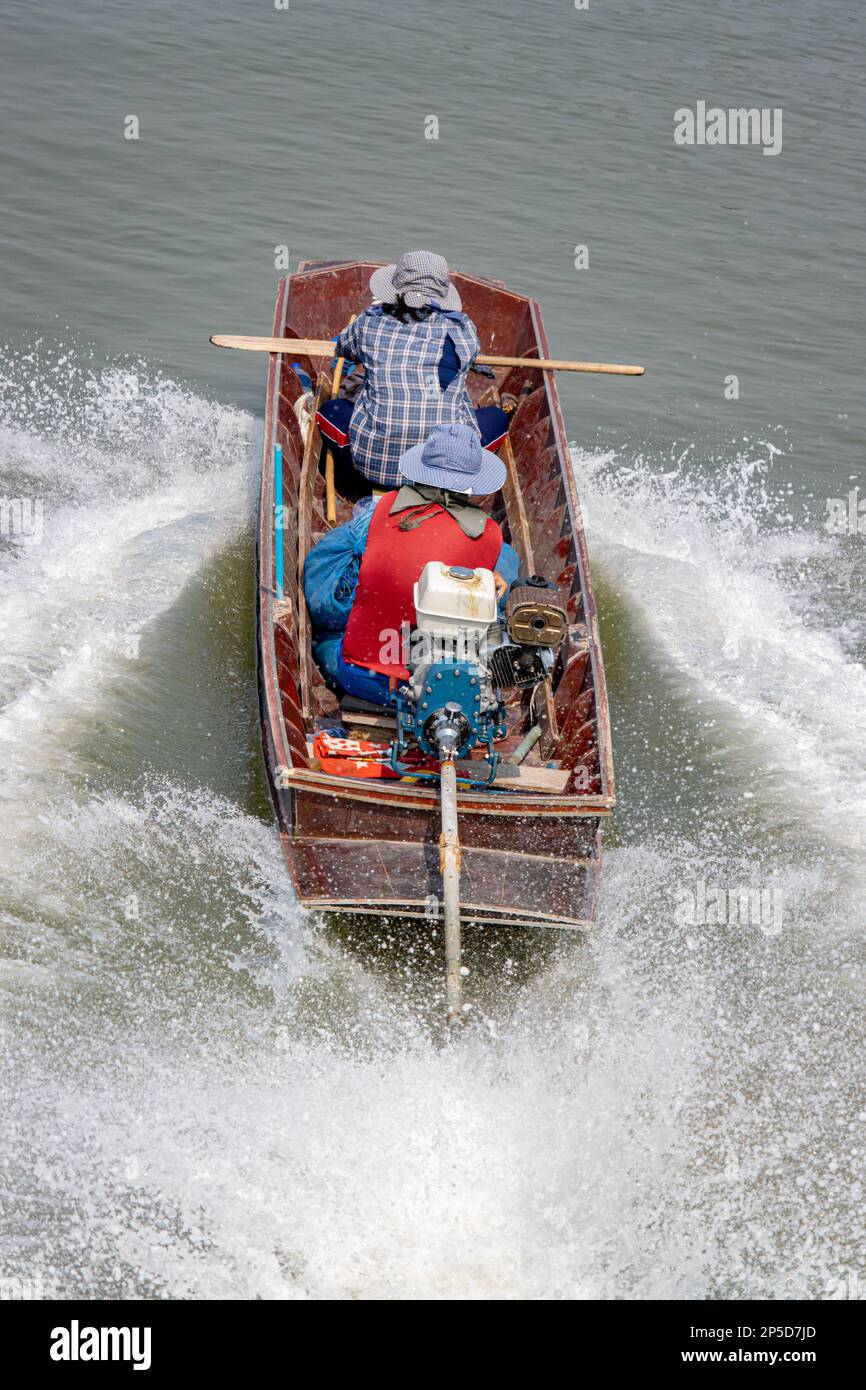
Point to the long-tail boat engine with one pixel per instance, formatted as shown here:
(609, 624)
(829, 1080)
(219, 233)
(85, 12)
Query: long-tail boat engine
(463, 655)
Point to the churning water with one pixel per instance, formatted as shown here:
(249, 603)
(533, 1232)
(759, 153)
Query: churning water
(205, 1092)
(208, 1093)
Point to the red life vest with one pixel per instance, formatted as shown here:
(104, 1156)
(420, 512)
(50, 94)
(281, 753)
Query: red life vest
(390, 567)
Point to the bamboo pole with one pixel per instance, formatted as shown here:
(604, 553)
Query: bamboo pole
(330, 490)
(322, 347)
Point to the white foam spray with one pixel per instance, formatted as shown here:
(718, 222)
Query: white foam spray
(210, 1095)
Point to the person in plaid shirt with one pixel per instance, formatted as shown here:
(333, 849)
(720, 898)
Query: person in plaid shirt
(416, 348)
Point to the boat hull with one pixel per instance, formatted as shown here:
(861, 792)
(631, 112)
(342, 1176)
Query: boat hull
(372, 847)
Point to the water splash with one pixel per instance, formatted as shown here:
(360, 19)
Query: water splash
(141, 480)
(226, 1099)
(753, 614)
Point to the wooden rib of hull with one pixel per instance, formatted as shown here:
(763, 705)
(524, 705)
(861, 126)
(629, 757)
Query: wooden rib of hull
(530, 859)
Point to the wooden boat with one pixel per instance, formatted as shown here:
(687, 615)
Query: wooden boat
(531, 848)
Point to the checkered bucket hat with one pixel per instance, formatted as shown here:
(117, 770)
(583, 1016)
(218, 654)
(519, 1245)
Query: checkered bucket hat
(419, 277)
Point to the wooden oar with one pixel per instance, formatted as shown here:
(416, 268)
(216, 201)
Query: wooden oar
(330, 490)
(321, 347)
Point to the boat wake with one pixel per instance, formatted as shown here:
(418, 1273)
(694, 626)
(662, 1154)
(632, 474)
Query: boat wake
(226, 1099)
(759, 619)
(136, 482)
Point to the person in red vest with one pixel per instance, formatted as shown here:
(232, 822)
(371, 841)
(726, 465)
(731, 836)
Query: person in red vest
(359, 579)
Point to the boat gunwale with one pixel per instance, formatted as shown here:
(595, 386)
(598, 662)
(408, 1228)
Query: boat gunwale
(590, 612)
(269, 690)
(398, 793)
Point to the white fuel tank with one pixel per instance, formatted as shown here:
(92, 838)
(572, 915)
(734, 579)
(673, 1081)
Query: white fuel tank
(448, 597)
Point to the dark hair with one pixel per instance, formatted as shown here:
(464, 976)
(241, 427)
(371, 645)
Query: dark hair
(406, 313)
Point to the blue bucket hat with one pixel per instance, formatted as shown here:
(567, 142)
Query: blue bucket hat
(452, 458)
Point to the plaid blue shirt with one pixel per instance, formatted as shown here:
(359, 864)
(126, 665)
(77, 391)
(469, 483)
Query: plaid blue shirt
(401, 399)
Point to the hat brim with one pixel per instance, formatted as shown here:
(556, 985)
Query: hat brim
(382, 289)
(489, 477)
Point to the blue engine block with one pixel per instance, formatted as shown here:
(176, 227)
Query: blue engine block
(447, 682)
